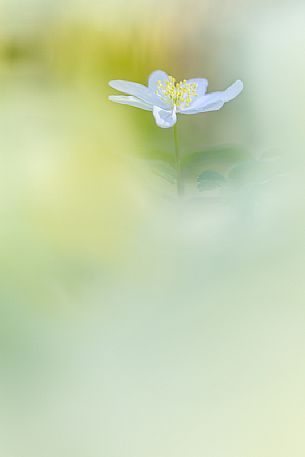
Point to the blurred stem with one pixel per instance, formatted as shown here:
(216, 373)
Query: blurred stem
(180, 189)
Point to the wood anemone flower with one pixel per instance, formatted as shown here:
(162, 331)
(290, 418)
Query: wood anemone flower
(166, 97)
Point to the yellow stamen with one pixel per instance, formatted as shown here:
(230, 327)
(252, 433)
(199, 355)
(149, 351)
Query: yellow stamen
(176, 94)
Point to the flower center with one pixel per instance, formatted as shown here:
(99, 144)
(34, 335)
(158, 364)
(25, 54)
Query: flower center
(176, 93)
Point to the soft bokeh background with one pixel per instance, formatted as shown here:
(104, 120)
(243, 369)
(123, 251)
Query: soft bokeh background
(130, 324)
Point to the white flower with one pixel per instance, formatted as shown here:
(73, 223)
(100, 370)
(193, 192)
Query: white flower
(165, 97)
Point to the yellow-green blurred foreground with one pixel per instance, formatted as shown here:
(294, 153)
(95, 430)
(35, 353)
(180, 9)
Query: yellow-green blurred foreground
(132, 324)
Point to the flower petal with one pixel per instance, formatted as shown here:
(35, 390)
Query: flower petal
(130, 100)
(214, 106)
(202, 85)
(131, 88)
(164, 118)
(209, 105)
(156, 76)
(233, 91)
(148, 95)
(204, 103)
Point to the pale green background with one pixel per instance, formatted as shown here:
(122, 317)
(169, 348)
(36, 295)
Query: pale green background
(130, 325)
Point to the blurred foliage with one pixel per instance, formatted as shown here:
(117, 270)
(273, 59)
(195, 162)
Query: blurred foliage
(80, 176)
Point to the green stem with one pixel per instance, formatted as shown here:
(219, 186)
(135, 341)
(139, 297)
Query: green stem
(180, 189)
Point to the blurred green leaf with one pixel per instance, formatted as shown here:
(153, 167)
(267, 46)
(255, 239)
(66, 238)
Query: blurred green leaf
(242, 171)
(251, 172)
(219, 159)
(210, 180)
(164, 169)
(160, 156)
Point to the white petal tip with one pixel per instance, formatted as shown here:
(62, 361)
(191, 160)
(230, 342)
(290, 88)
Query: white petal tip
(114, 98)
(116, 84)
(234, 90)
(240, 85)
